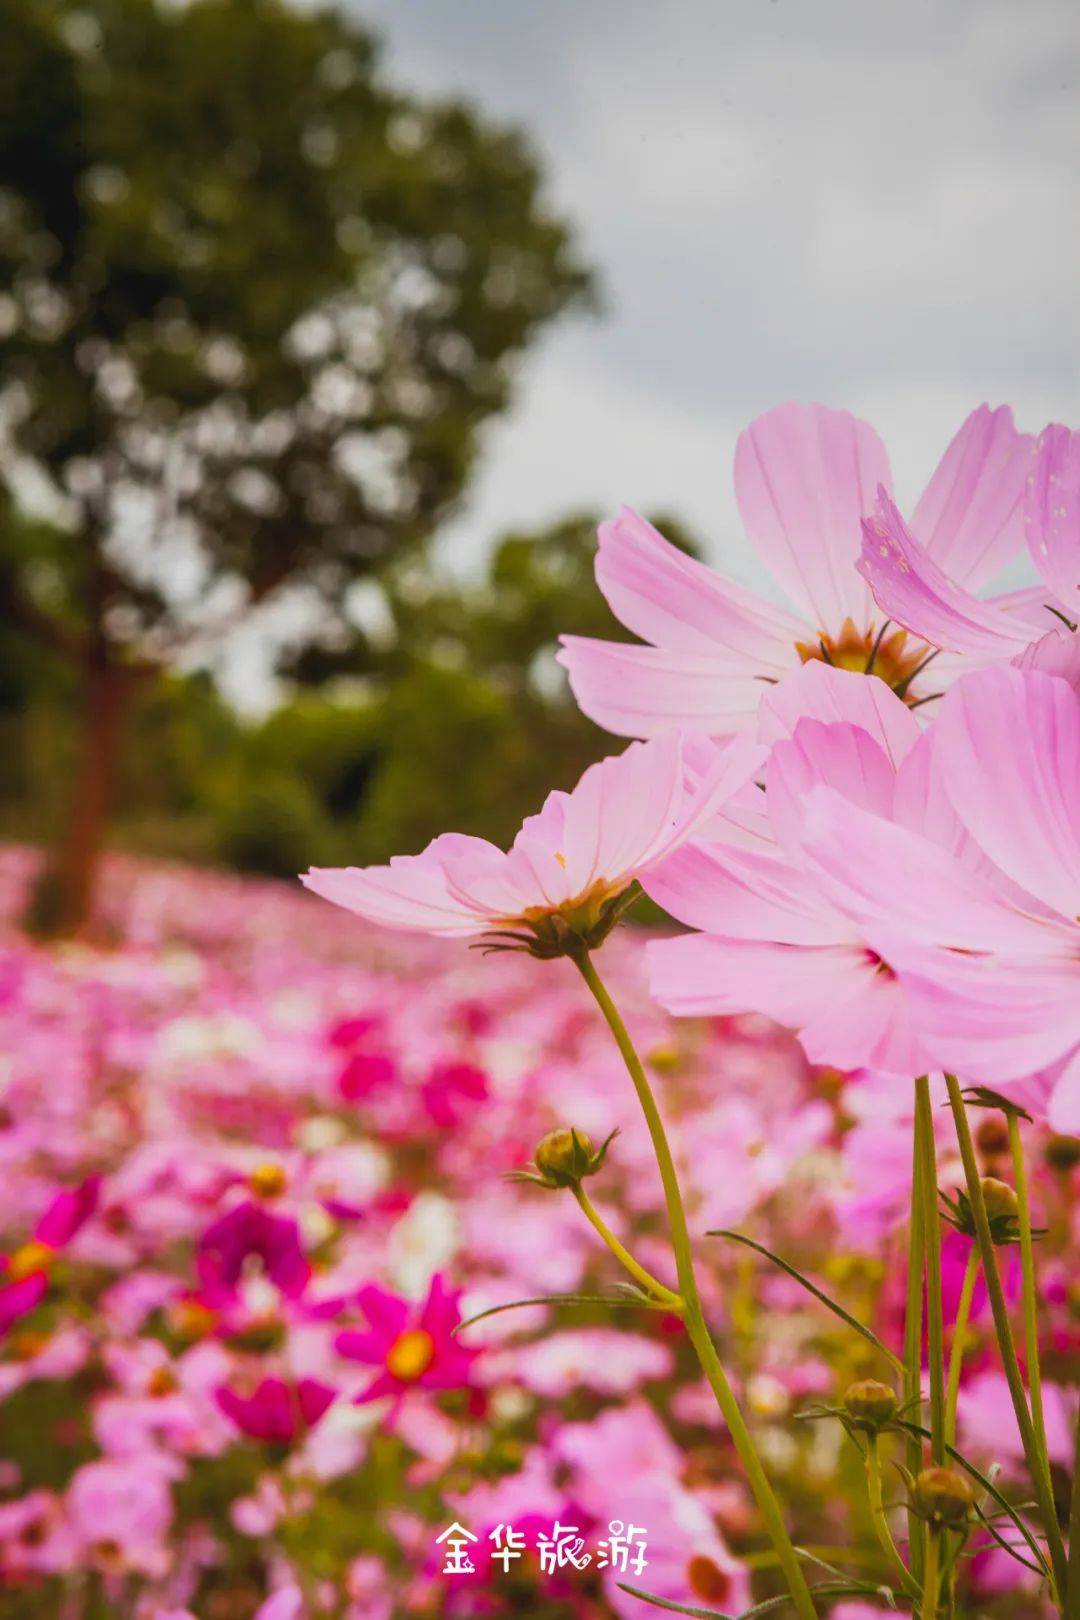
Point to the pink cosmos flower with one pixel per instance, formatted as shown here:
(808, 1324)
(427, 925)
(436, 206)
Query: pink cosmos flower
(989, 957)
(24, 1274)
(568, 866)
(805, 477)
(249, 1231)
(120, 1513)
(412, 1347)
(277, 1412)
(772, 938)
(919, 590)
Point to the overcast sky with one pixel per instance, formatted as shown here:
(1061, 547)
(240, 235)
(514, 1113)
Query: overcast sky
(871, 204)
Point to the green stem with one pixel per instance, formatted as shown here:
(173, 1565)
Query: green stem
(931, 1576)
(1030, 1294)
(1072, 1597)
(956, 1357)
(935, 1333)
(880, 1519)
(650, 1283)
(913, 1349)
(694, 1317)
(1000, 1310)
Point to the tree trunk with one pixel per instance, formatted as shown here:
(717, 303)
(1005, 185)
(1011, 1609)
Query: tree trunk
(65, 891)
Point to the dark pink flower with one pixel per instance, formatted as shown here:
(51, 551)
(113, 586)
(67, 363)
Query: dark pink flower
(275, 1411)
(411, 1346)
(250, 1231)
(451, 1090)
(24, 1274)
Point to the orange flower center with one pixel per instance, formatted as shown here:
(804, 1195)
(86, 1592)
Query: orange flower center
(410, 1355)
(32, 1257)
(891, 660)
(707, 1580)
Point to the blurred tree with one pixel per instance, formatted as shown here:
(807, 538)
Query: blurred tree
(258, 306)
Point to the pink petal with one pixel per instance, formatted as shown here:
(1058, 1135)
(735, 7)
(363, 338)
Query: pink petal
(744, 895)
(819, 691)
(912, 589)
(644, 691)
(410, 893)
(970, 517)
(674, 601)
(845, 1011)
(804, 478)
(887, 878)
(994, 1019)
(842, 757)
(1056, 653)
(1010, 749)
(1052, 514)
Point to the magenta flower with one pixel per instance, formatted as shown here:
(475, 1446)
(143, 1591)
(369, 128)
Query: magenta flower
(412, 1347)
(805, 478)
(568, 866)
(277, 1412)
(920, 591)
(24, 1274)
(247, 1232)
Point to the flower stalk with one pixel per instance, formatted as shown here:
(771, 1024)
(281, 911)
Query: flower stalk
(1028, 1287)
(956, 1355)
(1039, 1473)
(931, 1225)
(693, 1314)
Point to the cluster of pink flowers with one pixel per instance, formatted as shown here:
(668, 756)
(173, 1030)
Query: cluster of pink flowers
(254, 1153)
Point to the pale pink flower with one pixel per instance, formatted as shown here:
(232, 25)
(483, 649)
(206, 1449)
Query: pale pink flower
(919, 590)
(805, 477)
(989, 958)
(569, 864)
(772, 938)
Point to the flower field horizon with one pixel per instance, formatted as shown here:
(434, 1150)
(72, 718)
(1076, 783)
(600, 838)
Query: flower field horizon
(294, 1128)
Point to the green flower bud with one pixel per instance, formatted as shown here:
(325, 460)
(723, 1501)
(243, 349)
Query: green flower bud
(1000, 1200)
(563, 1158)
(870, 1404)
(1002, 1211)
(944, 1497)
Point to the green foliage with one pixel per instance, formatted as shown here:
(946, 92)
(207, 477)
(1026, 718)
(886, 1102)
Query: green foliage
(258, 305)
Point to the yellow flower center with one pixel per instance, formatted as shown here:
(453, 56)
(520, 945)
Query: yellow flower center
(893, 661)
(268, 1180)
(410, 1355)
(32, 1257)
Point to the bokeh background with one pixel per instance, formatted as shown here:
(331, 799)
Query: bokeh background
(326, 339)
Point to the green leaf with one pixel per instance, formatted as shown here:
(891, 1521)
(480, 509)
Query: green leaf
(818, 1293)
(618, 1301)
(767, 1606)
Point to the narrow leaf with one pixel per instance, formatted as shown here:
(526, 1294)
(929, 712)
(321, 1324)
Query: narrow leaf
(619, 1301)
(818, 1293)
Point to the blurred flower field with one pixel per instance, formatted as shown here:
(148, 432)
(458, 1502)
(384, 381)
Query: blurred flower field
(253, 1160)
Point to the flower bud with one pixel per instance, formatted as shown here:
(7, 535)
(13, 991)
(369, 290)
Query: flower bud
(944, 1497)
(870, 1404)
(1002, 1211)
(563, 1158)
(1000, 1200)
